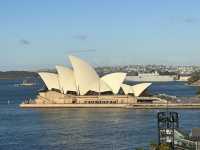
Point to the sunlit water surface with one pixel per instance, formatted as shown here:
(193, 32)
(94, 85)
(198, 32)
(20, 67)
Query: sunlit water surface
(80, 129)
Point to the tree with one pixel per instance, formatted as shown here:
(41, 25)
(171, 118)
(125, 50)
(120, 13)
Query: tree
(198, 91)
(154, 146)
(194, 77)
(139, 149)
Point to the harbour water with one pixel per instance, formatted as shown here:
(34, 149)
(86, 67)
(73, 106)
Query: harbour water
(81, 129)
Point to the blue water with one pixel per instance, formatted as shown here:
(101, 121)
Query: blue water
(80, 129)
(174, 88)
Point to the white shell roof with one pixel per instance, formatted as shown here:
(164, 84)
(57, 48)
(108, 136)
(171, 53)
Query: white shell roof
(114, 80)
(66, 79)
(86, 77)
(127, 89)
(50, 79)
(100, 86)
(139, 88)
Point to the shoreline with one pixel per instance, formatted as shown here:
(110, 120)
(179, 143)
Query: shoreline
(134, 106)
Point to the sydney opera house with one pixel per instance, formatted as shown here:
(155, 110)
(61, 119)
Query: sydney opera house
(81, 86)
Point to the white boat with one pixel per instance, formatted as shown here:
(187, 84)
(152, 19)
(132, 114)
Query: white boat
(25, 83)
(151, 77)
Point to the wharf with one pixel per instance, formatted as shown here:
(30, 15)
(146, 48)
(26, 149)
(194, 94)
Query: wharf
(134, 106)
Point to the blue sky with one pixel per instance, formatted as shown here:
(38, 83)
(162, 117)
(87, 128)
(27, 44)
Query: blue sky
(39, 34)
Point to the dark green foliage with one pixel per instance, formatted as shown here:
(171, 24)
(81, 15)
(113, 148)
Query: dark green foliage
(154, 146)
(198, 91)
(166, 73)
(17, 74)
(159, 147)
(139, 149)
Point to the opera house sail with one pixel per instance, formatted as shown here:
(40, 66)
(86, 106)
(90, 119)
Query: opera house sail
(81, 86)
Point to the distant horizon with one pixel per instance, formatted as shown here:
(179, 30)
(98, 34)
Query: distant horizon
(40, 34)
(53, 68)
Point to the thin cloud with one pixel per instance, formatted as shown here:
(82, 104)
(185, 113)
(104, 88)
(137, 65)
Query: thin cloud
(82, 51)
(24, 42)
(190, 20)
(81, 37)
(185, 20)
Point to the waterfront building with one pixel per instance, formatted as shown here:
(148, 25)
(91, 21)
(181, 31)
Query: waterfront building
(82, 85)
(83, 79)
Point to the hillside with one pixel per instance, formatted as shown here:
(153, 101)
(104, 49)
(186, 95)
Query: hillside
(17, 74)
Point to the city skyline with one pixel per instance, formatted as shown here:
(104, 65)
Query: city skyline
(39, 34)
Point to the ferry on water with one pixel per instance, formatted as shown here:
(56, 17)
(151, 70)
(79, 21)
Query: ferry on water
(26, 82)
(151, 77)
